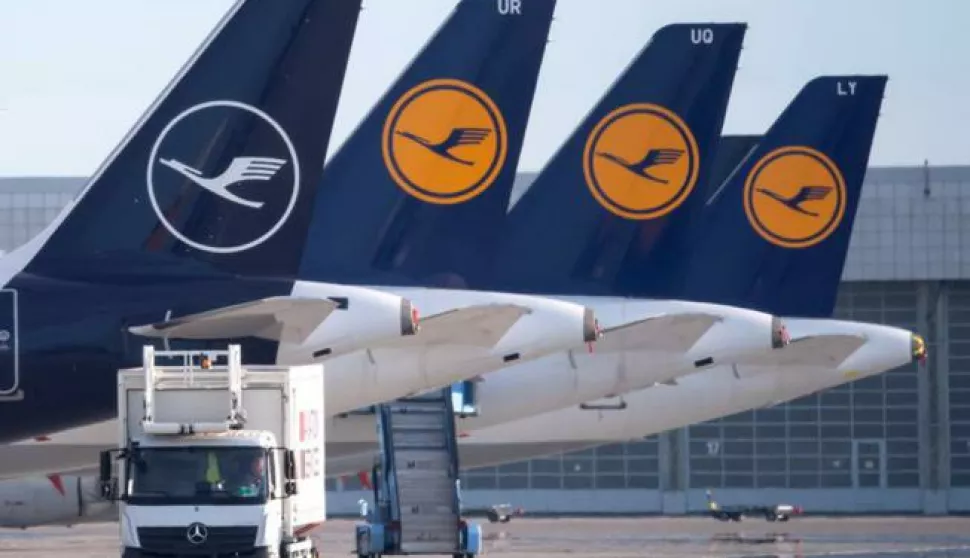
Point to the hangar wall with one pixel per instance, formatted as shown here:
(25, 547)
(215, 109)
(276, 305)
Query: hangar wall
(899, 442)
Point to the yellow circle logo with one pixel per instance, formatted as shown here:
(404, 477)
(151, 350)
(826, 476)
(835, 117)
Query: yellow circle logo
(795, 197)
(444, 141)
(641, 161)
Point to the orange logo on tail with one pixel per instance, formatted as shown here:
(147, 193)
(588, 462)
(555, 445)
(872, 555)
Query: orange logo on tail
(795, 197)
(444, 141)
(641, 161)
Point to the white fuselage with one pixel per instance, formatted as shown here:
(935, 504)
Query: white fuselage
(697, 397)
(572, 377)
(386, 372)
(370, 358)
(363, 377)
(704, 395)
(353, 381)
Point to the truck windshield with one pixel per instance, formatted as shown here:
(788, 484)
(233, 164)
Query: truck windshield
(198, 476)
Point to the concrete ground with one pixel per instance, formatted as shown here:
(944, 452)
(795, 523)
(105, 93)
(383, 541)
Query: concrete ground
(610, 538)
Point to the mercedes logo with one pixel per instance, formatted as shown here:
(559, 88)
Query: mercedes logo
(197, 533)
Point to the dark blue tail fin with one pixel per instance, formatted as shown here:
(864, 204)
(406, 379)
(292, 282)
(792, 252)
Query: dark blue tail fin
(775, 235)
(634, 159)
(219, 175)
(659, 264)
(429, 170)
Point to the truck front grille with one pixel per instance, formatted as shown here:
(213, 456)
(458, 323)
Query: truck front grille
(173, 541)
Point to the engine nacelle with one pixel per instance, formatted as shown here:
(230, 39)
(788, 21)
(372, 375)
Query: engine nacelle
(364, 317)
(55, 500)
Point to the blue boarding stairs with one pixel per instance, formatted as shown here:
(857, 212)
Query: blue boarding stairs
(417, 501)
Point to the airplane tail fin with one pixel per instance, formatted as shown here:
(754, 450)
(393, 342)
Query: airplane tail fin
(634, 159)
(219, 175)
(776, 232)
(429, 170)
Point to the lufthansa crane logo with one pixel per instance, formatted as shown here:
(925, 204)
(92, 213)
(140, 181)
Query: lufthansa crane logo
(444, 141)
(257, 182)
(794, 197)
(197, 533)
(641, 161)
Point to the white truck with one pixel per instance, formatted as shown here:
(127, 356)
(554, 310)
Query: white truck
(197, 473)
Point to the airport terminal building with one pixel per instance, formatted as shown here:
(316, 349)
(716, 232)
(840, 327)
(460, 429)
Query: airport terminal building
(897, 442)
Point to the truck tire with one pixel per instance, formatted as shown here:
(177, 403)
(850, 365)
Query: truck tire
(363, 542)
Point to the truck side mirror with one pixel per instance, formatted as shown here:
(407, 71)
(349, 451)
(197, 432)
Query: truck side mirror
(105, 466)
(107, 482)
(289, 473)
(289, 465)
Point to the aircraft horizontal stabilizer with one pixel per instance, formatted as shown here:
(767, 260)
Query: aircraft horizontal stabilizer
(823, 351)
(477, 326)
(668, 332)
(280, 318)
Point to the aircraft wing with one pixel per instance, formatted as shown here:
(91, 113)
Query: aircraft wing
(823, 351)
(482, 325)
(279, 318)
(667, 332)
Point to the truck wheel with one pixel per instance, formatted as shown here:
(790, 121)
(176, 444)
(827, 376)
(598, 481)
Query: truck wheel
(506, 518)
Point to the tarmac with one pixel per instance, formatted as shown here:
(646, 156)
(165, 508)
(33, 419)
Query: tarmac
(895, 537)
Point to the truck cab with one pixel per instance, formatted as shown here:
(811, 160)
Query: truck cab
(195, 474)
